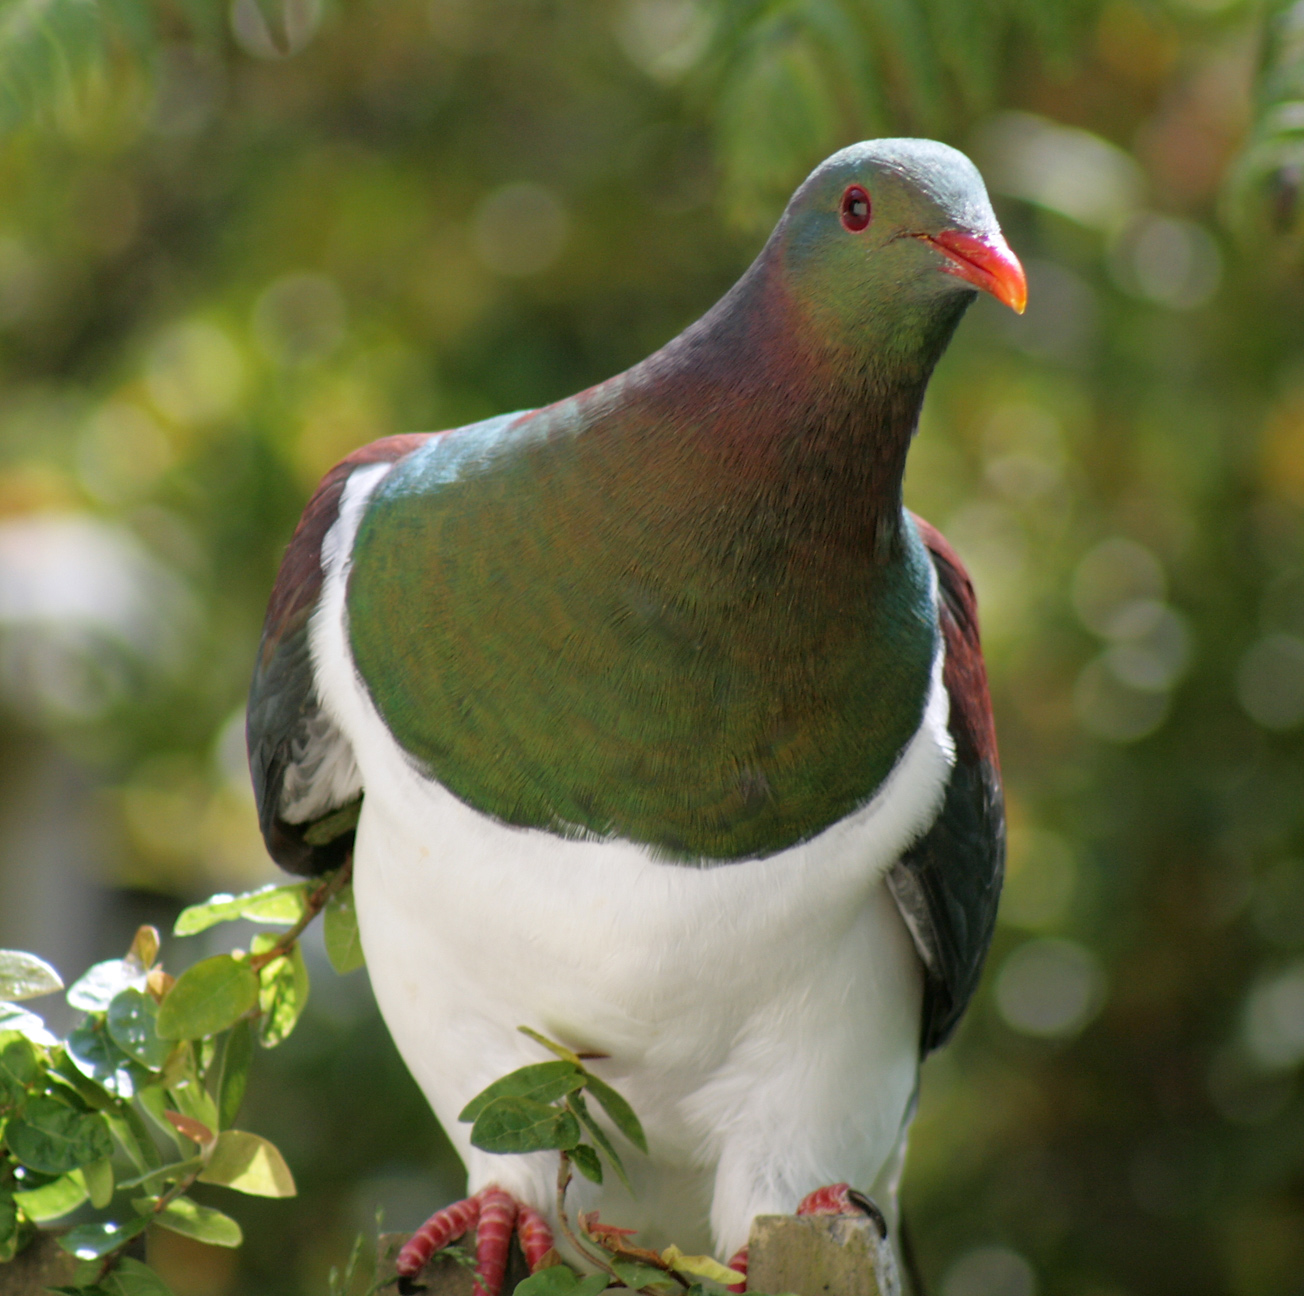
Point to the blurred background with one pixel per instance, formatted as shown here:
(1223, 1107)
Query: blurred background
(237, 241)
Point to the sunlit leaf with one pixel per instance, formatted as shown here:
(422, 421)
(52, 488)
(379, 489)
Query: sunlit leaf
(97, 1057)
(19, 1066)
(98, 1176)
(524, 1125)
(282, 994)
(24, 976)
(544, 1082)
(89, 1241)
(701, 1266)
(101, 983)
(132, 1024)
(249, 1164)
(14, 1018)
(275, 905)
(340, 931)
(202, 1223)
(53, 1200)
(233, 1073)
(144, 946)
(52, 1138)
(207, 998)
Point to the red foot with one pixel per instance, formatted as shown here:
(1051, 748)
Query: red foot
(493, 1214)
(833, 1199)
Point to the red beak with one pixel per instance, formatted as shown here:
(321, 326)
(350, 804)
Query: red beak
(987, 263)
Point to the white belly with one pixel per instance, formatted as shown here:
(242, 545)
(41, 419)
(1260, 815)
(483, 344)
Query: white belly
(762, 1017)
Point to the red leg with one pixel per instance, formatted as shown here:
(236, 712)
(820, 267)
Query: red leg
(739, 1262)
(493, 1214)
(842, 1199)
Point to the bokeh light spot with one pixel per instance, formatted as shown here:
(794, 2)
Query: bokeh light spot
(1050, 988)
(1274, 1019)
(194, 372)
(1270, 681)
(519, 230)
(990, 1271)
(299, 318)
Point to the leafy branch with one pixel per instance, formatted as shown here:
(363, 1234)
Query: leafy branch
(542, 1108)
(139, 1103)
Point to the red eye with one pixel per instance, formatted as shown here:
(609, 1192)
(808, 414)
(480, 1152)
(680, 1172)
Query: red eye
(855, 209)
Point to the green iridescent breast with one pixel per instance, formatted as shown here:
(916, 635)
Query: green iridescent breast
(569, 642)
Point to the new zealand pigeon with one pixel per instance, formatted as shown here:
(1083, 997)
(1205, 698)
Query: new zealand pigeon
(670, 727)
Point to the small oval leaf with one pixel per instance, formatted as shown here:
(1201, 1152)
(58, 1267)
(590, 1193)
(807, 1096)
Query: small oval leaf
(207, 998)
(543, 1082)
(249, 1164)
(133, 1026)
(340, 931)
(53, 1200)
(202, 1223)
(24, 976)
(54, 1139)
(274, 905)
(621, 1113)
(524, 1125)
(90, 1241)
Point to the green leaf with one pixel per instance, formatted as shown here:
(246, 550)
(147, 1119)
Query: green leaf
(233, 1075)
(90, 1241)
(99, 1182)
(282, 994)
(207, 998)
(562, 1280)
(621, 1113)
(155, 1180)
(100, 984)
(275, 905)
(552, 1046)
(543, 1082)
(132, 1278)
(340, 930)
(701, 1266)
(249, 1164)
(153, 1102)
(599, 1135)
(14, 1018)
(202, 1223)
(98, 1058)
(130, 1134)
(24, 976)
(19, 1066)
(132, 1019)
(64, 1069)
(524, 1125)
(325, 831)
(587, 1162)
(637, 1276)
(53, 1200)
(54, 1139)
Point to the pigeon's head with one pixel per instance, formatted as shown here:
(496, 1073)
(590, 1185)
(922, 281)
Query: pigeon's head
(890, 235)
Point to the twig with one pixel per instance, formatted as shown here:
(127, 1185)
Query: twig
(314, 904)
(586, 1250)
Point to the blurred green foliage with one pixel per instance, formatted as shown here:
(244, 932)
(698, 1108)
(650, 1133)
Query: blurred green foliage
(237, 241)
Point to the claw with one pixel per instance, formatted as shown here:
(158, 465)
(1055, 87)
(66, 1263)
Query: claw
(493, 1214)
(739, 1262)
(842, 1199)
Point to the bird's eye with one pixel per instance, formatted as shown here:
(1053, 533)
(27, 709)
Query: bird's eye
(855, 209)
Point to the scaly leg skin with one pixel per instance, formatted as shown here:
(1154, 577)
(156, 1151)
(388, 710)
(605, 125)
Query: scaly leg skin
(833, 1199)
(493, 1214)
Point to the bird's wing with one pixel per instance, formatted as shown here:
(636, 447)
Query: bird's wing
(305, 780)
(948, 883)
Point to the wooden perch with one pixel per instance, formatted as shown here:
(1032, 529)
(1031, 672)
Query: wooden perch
(807, 1255)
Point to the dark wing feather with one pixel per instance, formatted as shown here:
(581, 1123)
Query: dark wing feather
(948, 883)
(302, 766)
